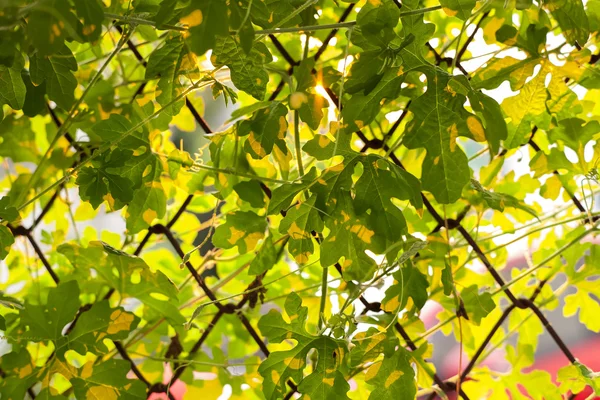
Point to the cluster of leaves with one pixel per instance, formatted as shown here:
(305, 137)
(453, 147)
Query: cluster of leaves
(350, 159)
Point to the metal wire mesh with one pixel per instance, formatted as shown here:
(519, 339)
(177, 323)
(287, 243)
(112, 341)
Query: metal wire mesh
(237, 308)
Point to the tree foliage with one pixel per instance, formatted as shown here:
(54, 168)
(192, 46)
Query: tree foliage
(376, 157)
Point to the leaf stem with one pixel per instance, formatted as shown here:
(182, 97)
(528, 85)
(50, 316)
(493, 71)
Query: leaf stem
(339, 25)
(420, 11)
(297, 142)
(261, 35)
(323, 297)
(307, 28)
(141, 21)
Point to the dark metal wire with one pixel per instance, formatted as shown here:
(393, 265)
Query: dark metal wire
(236, 308)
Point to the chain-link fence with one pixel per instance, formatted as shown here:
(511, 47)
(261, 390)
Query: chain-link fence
(237, 308)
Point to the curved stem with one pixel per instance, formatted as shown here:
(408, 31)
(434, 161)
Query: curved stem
(323, 297)
(339, 25)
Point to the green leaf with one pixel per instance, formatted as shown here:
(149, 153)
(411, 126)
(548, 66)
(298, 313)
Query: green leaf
(350, 236)
(112, 128)
(100, 322)
(491, 113)
(242, 229)
(461, 9)
(106, 380)
(137, 162)
(572, 19)
(587, 292)
(362, 108)
(498, 201)
(267, 13)
(195, 314)
(247, 72)
(525, 109)
(6, 241)
(299, 223)
(10, 302)
(575, 133)
(478, 306)
(326, 381)
(208, 21)
(118, 269)
(167, 11)
(265, 258)
(499, 70)
(168, 62)
(536, 384)
(92, 13)
(322, 147)
(266, 129)
(247, 110)
(225, 153)
(148, 204)
(413, 54)
(576, 377)
(311, 110)
(305, 79)
(371, 344)
(360, 212)
(381, 182)
(283, 195)
(365, 72)
(56, 72)
(12, 87)
(46, 322)
(8, 212)
(375, 24)
(240, 22)
(35, 98)
(252, 192)
(97, 184)
(409, 282)
(393, 378)
(414, 246)
(18, 140)
(439, 119)
(23, 374)
(49, 23)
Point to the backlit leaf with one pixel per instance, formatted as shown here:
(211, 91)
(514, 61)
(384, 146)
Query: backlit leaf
(242, 229)
(299, 223)
(326, 381)
(247, 72)
(265, 130)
